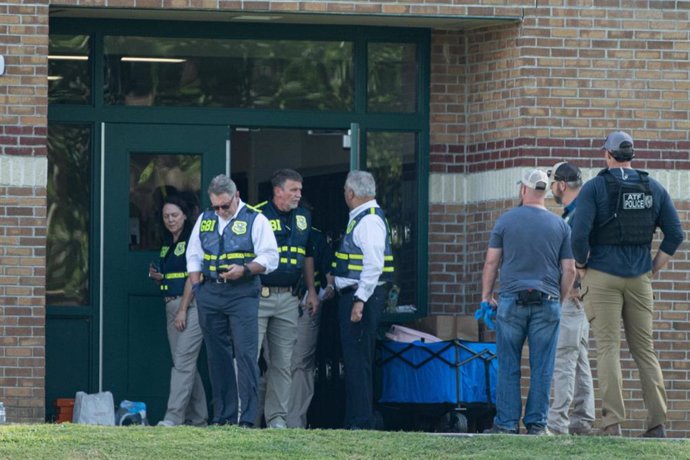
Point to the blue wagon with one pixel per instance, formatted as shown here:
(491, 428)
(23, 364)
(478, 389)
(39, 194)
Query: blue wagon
(445, 386)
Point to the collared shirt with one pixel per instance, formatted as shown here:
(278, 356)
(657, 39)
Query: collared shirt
(265, 246)
(569, 211)
(370, 236)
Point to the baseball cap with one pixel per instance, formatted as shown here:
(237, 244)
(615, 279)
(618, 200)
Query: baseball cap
(565, 171)
(620, 144)
(535, 179)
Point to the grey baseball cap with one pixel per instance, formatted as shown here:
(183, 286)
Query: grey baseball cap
(620, 144)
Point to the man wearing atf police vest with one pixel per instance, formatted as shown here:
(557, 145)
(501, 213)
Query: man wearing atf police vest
(230, 244)
(279, 306)
(617, 214)
(362, 267)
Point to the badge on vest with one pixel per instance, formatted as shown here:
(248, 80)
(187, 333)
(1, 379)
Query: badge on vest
(239, 227)
(350, 226)
(301, 222)
(164, 251)
(634, 201)
(179, 249)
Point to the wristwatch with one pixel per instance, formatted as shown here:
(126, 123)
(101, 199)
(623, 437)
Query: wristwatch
(580, 266)
(247, 271)
(357, 299)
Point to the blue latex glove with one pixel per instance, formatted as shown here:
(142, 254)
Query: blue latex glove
(486, 313)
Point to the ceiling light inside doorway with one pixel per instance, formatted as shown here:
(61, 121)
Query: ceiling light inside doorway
(152, 59)
(65, 57)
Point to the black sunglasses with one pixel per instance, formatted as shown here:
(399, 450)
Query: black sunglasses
(224, 207)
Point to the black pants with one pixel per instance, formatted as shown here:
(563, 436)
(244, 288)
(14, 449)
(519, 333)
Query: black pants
(358, 342)
(224, 315)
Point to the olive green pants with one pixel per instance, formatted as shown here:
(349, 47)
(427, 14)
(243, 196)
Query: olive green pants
(609, 299)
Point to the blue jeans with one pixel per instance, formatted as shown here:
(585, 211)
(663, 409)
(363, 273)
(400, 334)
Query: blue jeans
(539, 325)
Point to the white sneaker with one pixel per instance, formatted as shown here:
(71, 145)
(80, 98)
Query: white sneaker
(278, 425)
(166, 423)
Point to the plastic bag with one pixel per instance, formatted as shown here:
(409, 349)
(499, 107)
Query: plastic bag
(132, 413)
(94, 409)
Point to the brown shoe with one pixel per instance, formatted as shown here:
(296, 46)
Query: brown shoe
(581, 430)
(657, 432)
(611, 430)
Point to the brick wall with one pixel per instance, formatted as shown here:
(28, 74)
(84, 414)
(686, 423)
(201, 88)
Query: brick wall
(564, 78)
(23, 109)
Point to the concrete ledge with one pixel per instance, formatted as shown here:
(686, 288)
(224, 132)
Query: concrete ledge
(502, 184)
(23, 171)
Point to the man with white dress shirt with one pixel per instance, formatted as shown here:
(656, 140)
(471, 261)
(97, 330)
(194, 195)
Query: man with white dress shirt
(362, 267)
(231, 244)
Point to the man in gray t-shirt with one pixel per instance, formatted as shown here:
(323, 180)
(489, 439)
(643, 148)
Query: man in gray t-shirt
(532, 247)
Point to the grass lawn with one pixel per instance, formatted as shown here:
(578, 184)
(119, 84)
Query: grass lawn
(68, 441)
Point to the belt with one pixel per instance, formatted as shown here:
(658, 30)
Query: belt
(532, 297)
(267, 291)
(171, 298)
(277, 289)
(347, 289)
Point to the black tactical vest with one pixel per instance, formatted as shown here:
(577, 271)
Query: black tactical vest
(292, 236)
(631, 218)
(173, 266)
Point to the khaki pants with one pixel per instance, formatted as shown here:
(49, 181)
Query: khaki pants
(609, 299)
(187, 400)
(572, 377)
(278, 316)
(303, 367)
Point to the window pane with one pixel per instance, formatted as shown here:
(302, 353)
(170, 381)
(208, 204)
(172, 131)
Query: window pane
(152, 178)
(391, 158)
(69, 75)
(69, 197)
(276, 74)
(392, 79)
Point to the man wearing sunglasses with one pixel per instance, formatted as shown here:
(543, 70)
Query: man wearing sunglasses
(572, 377)
(279, 305)
(231, 244)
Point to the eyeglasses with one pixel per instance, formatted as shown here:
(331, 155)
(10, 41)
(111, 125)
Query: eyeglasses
(224, 207)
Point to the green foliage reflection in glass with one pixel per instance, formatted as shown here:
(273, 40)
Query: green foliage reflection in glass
(276, 74)
(392, 77)
(68, 219)
(69, 77)
(391, 158)
(151, 179)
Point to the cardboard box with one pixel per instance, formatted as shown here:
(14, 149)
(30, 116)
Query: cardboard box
(448, 327)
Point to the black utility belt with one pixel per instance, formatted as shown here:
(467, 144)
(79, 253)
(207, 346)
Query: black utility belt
(533, 297)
